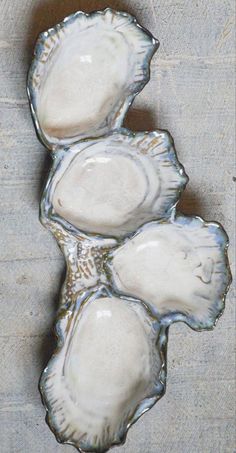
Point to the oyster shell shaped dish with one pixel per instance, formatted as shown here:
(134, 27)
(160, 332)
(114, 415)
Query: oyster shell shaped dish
(126, 179)
(134, 264)
(107, 371)
(85, 74)
(178, 267)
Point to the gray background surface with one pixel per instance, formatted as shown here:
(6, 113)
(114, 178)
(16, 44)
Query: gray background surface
(191, 95)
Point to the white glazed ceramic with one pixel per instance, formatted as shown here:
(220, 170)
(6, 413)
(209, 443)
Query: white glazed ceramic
(178, 267)
(106, 372)
(126, 180)
(85, 74)
(134, 264)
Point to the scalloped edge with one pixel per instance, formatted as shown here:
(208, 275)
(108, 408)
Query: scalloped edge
(34, 72)
(60, 331)
(146, 141)
(168, 319)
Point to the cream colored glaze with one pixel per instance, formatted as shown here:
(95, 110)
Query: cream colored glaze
(84, 83)
(107, 366)
(87, 73)
(112, 186)
(176, 268)
(97, 194)
(106, 369)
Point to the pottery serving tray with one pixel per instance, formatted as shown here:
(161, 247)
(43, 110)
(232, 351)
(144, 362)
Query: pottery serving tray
(134, 263)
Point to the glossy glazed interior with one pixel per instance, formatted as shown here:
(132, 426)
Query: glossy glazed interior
(107, 366)
(179, 267)
(86, 73)
(84, 84)
(114, 185)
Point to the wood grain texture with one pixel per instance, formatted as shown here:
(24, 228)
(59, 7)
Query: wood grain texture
(191, 93)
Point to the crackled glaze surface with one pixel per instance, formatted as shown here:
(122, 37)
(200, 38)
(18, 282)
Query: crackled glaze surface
(134, 264)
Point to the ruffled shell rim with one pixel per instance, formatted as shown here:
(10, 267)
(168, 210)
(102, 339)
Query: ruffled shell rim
(144, 56)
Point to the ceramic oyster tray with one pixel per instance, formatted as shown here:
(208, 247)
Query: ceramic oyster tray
(134, 263)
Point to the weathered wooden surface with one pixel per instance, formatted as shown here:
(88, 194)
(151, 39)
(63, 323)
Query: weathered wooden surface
(191, 94)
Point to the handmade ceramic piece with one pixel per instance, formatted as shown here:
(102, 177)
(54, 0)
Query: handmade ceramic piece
(179, 267)
(126, 180)
(134, 265)
(85, 74)
(106, 372)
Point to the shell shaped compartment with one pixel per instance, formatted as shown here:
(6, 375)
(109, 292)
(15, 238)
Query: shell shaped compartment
(85, 74)
(179, 268)
(112, 186)
(107, 371)
(116, 192)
